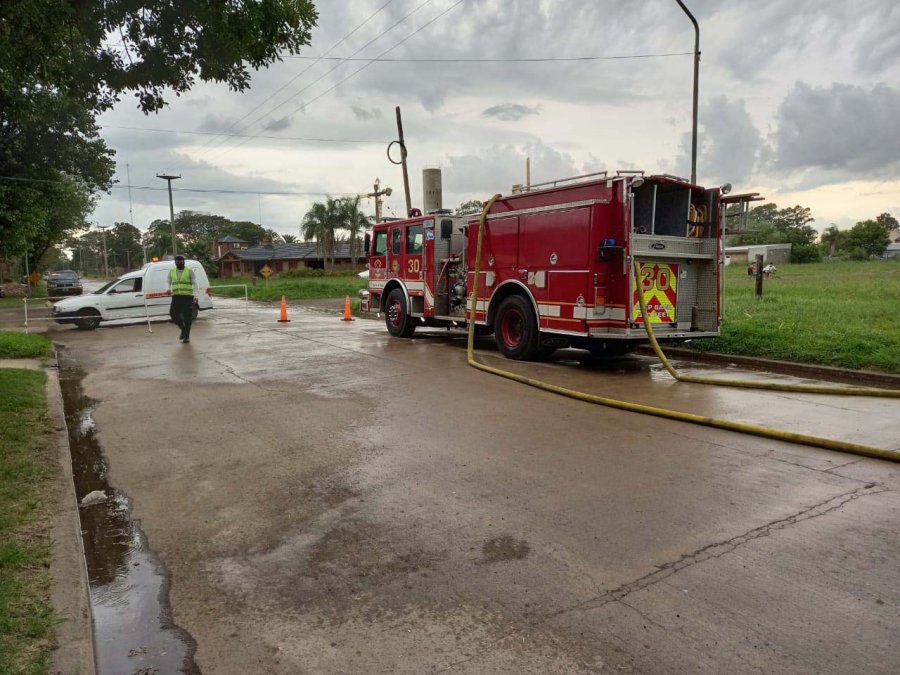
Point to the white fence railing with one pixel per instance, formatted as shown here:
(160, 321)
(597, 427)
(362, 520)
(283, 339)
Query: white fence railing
(47, 302)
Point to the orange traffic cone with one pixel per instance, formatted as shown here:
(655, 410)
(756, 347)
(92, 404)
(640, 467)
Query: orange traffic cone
(347, 316)
(283, 318)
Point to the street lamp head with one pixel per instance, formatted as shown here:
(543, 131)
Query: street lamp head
(388, 191)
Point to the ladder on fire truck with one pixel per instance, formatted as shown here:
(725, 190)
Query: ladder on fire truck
(736, 211)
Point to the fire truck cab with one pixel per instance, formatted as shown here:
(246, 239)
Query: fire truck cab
(557, 266)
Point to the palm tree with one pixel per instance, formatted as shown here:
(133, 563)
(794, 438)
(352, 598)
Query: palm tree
(354, 222)
(832, 237)
(289, 238)
(320, 224)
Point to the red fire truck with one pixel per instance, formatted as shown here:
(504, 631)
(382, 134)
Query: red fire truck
(557, 265)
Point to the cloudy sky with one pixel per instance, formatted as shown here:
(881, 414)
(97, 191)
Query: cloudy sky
(799, 100)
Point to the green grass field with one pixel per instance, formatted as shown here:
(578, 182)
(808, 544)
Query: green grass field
(305, 288)
(843, 314)
(26, 617)
(15, 345)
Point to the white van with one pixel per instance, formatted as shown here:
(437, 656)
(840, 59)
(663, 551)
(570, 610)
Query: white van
(135, 295)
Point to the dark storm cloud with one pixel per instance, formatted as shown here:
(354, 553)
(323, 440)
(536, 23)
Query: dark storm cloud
(497, 168)
(511, 112)
(278, 125)
(365, 114)
(779, 30)
(729, 144)
(509, 29)
(880, 48)
(840, 127)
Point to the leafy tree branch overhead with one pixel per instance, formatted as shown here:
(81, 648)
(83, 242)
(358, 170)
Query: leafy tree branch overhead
(66, 61)
(95, 51)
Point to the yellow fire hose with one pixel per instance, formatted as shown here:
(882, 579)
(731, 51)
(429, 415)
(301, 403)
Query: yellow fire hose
(774, 386)
(741, 427)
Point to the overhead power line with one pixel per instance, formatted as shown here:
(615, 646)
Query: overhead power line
(361, 68)
(222, 133)
(302, 72)
(617, 57)
(154, 188)
(235, 192)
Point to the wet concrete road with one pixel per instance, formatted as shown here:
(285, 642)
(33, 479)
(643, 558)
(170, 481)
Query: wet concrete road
(327, 499)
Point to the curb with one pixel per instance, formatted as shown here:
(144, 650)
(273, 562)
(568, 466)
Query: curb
(70, 594)
(812, 371)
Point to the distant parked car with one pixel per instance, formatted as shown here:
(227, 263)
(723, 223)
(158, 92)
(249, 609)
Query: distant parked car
(64, 282)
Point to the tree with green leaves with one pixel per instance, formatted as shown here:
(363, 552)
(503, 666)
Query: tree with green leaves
(64, 62)
(767, 224)
(355, 222)
(866, 239)
(833, 239)
(470, 207)
(321, 224)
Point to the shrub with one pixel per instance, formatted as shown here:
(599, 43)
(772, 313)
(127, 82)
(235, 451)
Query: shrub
(805, 253)
(309, 272)
(302, 273)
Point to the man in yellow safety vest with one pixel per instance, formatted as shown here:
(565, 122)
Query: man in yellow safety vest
(181, 287)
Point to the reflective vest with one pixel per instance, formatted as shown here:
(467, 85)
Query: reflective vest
(182, 285)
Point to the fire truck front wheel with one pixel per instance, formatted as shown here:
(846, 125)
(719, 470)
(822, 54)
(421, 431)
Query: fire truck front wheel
(516, 329)
(396, 315)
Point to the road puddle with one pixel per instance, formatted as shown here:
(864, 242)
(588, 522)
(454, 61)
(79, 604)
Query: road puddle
(133, 628)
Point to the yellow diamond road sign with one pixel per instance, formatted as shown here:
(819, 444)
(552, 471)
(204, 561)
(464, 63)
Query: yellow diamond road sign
(266, 271)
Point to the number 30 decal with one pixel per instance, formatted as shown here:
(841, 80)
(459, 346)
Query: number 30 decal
(413, 266)
(650, 277)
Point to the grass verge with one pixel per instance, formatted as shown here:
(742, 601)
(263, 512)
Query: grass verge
(337, 286)
(15, 345)
(841, 314)
(26, 617)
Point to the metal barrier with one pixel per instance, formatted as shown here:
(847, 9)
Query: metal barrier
(42, 318)
(244, 286)
(146, 307)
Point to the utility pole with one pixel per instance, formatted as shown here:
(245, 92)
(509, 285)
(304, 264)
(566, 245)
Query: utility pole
(169, 178)
(102, 229)
(130, 204)
(696, 89)
(377, 194)
(403, 162)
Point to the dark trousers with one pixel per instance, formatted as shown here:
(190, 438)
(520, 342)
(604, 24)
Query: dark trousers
(182, 312)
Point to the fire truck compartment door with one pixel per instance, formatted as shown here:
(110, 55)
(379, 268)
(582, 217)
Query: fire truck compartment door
(559, 239)
(658, 282)
(500, 247)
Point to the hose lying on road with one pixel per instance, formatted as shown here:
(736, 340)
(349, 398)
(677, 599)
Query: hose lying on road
(751, 384)
(741, 427)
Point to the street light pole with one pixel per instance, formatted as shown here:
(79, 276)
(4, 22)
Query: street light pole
(377, 194)
(696, 89)
(169, 178)
(102, 229)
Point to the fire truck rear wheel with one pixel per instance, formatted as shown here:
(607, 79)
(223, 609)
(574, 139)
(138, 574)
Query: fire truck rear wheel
(396, 315)
(516, 329)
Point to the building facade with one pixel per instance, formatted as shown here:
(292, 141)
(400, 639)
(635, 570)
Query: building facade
(280, 258)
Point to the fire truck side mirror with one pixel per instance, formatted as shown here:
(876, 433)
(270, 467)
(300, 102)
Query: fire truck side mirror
(446, 228)
(367, 242)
